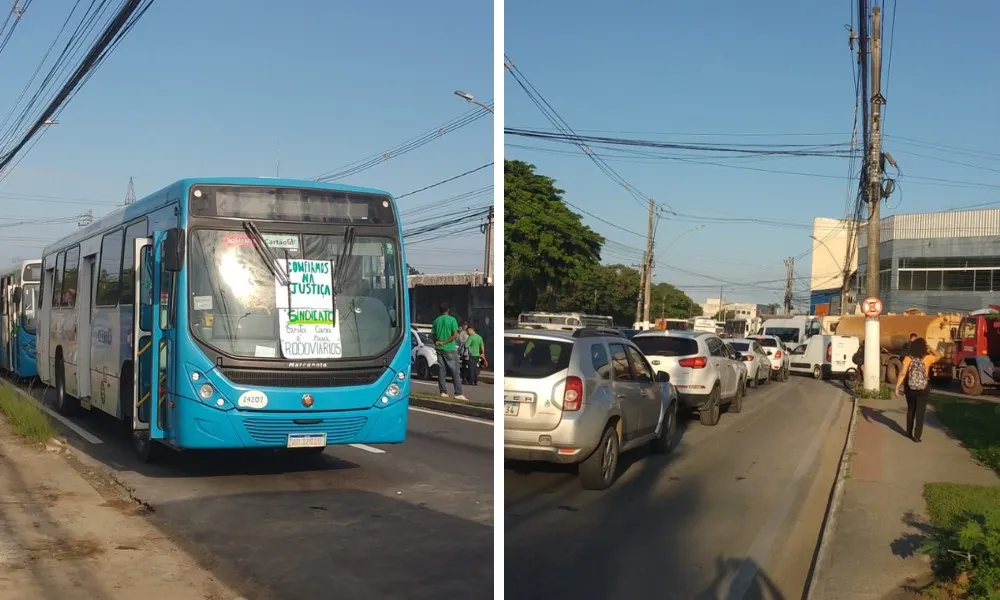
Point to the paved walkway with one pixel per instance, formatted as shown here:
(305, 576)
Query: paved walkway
(878, 527)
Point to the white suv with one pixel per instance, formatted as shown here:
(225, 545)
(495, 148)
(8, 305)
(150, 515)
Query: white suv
(705, 371)
(423, 355)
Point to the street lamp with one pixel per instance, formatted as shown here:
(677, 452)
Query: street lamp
(469, 98)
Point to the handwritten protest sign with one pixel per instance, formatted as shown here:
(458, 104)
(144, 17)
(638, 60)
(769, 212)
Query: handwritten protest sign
(306, 311)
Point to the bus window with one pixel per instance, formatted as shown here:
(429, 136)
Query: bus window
(57, 281)
(132, 232)
(29, 303)
(110, 276)
(71, 277)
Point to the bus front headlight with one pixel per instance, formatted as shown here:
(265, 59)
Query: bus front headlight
(393, 390)
(206, 391)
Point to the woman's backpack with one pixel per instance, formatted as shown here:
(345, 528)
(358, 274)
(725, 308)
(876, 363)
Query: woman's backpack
(916, 376)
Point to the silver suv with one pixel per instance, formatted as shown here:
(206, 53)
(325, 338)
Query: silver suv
(705, 370)
(583, 397)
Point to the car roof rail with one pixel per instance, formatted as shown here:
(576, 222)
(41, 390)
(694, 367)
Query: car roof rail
(584, 332)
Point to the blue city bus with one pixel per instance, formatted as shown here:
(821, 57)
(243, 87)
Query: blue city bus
(270, 313)
(19, 308)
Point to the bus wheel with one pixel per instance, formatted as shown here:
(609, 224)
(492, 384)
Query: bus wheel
(146, 450)
(66, 405)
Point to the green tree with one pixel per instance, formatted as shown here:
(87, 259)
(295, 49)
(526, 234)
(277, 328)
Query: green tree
(604, 290)
(729, 314)
(546, 245)
(670, 302)
(412, 271)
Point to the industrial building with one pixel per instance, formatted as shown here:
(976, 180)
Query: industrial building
(934, 262)
(830, 241)
(742, 310)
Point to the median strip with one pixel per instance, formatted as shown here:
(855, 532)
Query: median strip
(467, 408)
(25, 417)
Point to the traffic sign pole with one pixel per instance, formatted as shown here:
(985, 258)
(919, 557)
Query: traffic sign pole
(872, 308)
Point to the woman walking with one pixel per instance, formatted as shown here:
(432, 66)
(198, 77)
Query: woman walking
(913, 377)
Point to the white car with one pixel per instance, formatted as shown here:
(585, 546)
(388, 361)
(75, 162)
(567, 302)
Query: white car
(776, 351)
(757, 361)
(423, 356)
(702, 368)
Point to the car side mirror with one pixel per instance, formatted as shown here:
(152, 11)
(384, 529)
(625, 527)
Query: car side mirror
(662, 377)
(739, 356)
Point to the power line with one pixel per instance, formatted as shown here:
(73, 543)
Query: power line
(407, 146)
(444, 181)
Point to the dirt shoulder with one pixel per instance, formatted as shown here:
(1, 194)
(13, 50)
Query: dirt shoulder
(66, 532)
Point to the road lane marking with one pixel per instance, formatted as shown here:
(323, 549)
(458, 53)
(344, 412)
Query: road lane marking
(367, 448)
(451, 415)
(741, 580)
(80, 431)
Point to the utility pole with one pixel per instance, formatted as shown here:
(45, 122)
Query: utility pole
(648, 279)
(875, 156)
(789, 279)
(722, 306)
(487, 228)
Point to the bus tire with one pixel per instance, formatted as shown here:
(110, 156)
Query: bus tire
(146, 450)
(66, 405)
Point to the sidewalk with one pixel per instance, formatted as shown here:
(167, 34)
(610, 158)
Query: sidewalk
(61, 538)
(871, 552)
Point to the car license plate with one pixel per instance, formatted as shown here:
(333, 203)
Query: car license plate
(306, 440)
(510, 409)
(516, 397)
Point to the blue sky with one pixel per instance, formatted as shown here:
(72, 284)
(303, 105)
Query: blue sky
(734, 67)
(229, 87)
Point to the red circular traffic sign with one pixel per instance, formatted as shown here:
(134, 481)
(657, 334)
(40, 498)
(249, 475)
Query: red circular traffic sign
(871, 307)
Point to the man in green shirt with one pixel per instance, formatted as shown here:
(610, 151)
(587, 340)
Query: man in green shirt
(444, 330)
(476, 351)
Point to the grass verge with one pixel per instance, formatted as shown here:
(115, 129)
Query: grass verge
(27, 420)
(976, 423)
(965, 543)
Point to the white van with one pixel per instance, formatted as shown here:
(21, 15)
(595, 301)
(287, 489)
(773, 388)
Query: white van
(824, 355)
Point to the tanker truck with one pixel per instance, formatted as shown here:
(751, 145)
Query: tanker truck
(938, 330)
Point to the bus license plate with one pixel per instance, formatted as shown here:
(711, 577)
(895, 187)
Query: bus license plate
(306, 440)
(510, 409)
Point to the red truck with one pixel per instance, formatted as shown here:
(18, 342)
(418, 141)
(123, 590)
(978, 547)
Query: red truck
(977, 350)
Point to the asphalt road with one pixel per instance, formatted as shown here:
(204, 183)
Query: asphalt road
(480, 394)
(413, 520)
(734, 512)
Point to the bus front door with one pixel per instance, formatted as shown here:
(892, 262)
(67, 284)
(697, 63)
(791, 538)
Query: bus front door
(148, 347)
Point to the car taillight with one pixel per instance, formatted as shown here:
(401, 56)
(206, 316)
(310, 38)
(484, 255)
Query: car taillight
(698, 362)
(777, 354)
(573, 396)
(748, 357)
(829, 353)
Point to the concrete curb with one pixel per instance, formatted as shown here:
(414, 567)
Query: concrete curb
(466, 409)
(830, 519)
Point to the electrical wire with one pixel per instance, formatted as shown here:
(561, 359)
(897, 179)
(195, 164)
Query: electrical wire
(444, 181)
(407, 146)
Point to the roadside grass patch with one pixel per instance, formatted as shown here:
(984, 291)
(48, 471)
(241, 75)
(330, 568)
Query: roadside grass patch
(27, 420)
(975, 422)
(965, 543)
(884, 392)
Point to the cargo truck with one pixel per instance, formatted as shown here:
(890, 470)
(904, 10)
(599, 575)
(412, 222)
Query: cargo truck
(894, 336)
(977, 351)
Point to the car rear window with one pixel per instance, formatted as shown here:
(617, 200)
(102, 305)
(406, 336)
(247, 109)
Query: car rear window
(767, 342)
(534, 358)
(666, 346)
(740, 346)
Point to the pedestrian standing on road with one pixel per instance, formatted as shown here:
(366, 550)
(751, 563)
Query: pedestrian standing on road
(476, 353)
(445, 332)
(914, 379)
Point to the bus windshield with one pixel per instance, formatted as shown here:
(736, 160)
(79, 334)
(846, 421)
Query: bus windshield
(789, 335)
(29, 307)
(237, 307)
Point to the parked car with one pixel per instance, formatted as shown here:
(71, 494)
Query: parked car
(776, 351)
(583, 397)
(742, 372)
(706, 373)
(757, 361)
(423, 356)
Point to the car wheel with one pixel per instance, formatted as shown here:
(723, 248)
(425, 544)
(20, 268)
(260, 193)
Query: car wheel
(710, 414)
(668, 431)
(423, 372)
(598, 471)
(736, 405)
(817, 372)
(754, 382)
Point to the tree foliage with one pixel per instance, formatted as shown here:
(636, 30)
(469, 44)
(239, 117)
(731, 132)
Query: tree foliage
(552, 259)
(546, 245)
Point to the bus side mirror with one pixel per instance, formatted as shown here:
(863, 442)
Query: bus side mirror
(173, 250)
(16, 296)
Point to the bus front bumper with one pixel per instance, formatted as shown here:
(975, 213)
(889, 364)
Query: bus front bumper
(200, 427)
